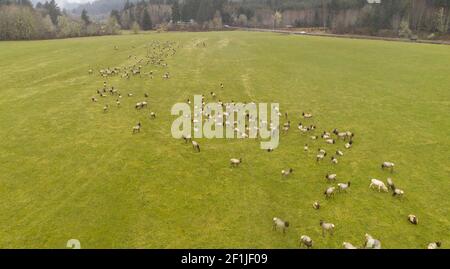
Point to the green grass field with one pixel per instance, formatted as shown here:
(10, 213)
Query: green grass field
(68, 170)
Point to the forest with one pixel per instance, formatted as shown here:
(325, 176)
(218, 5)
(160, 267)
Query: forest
(390, 17)
(426, 19)
(20, 20)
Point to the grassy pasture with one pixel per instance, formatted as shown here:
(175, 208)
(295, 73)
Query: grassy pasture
(68, 170)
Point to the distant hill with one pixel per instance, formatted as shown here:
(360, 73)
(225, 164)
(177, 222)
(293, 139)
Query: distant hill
(100, 9)
(63, 4)
(34, 2)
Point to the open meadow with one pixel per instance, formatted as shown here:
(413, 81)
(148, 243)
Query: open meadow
(70, 170)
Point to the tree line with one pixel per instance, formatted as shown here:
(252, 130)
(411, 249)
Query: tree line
(405, 18)
(388, 18)
(19, 20)
(137, 15)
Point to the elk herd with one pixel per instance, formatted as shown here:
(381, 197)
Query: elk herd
(158, 52)
(345, 141)
(328, 228)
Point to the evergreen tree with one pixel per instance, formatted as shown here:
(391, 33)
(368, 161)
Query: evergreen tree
(135, 28)
(127, 5)
(146, 21)
(205, 11)
(85, 18)
(53, 11)
(116, 14)
(176, 14)
(16, 2)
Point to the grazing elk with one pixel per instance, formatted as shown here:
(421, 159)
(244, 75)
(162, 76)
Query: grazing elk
(413, 219)
(388, 165)
(287, 172)
(306, 241)
(329, 192)
(235, 162)
(137, 128)
(196, 146)
(378, 184)
(327, 227)
(372, 243)
(280, 224)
